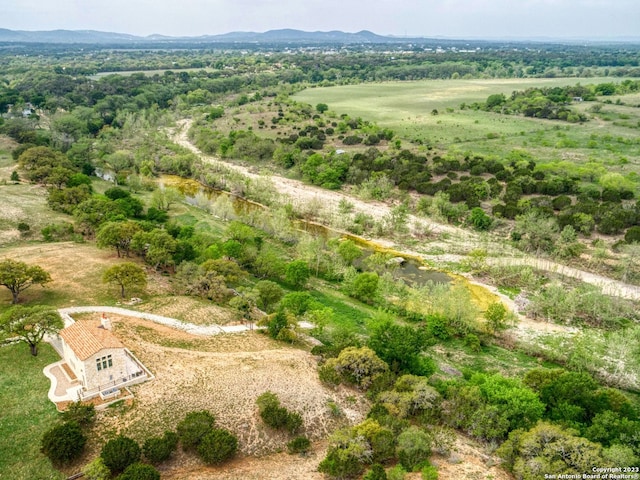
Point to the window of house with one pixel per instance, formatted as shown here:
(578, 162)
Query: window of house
(104, 362)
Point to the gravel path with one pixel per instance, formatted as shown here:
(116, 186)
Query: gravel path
(169, 322)
(609, 286)
(302, 193)
(204, 330)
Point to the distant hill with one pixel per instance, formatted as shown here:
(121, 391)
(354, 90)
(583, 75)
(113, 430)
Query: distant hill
(65, 36)
(272, 36)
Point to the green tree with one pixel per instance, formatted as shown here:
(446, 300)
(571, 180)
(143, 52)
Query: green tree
(496, 316)
(128, 276)
(358, 366)
(349, 251)
(322, 107)
(269, 293)
(120, 452)
(163, 198)
(217, 446)
(30, 324)
(297, 273)
(118, 235)
(63, 443)
(519, 405)
(193, 428)
(19, 276)
(14, 176)
(364, 287)
(157, 247)
(546, 448)
(400, 347)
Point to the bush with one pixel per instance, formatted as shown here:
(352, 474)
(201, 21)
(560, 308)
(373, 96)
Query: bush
(275, 415)
(194, 427)
(217, 446)
(82, 413)
(159, 449)
(429, 473)
(96, 470)
(299, 445)
(119, 453)
(561, 202)
(376, 472)
(341, 463)
(414, 447)
(63, 442)
(397, 473)
(140, 471)
(632, 235)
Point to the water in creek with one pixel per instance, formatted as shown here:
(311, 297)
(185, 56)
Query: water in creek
(409, 269)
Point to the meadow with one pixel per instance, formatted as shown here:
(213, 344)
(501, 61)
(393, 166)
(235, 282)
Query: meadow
(429, 112)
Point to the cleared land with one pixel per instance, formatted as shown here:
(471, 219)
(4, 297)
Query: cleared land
(409, 108)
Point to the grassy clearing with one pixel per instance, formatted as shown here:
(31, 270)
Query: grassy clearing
(491, 358)
(24, 203)
(349, 314)
(26, 413)
(409, 108)
(76, 270)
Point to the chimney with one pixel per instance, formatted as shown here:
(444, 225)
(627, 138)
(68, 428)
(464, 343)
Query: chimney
(105, 322)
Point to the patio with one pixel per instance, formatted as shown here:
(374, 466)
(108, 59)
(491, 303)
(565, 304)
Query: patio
(63, 387)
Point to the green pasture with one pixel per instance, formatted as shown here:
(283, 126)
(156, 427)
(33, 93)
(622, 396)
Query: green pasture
(429, 112)
(26, 413)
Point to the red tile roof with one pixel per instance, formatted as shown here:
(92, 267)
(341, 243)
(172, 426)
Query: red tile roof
(87, 338)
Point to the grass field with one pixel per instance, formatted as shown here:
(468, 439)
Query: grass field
(26, 413)
(409, 109)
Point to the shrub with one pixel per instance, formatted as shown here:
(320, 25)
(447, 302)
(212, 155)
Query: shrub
(414, 447)
(632, 235)
(217, 446)
(82, 413)
(472, 341)
(429, 473)
(119, 453)
(342, 463)
(376, 472)
(275, 415)
(96, 470)
(397, 473)
(140, 471)
(561, 202)
(63, 442)
(299, 445)
(194, 427)
(159, 449)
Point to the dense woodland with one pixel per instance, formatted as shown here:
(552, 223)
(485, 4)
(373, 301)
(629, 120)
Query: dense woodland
(72, 126)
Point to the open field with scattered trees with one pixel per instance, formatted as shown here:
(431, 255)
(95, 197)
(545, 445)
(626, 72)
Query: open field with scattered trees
(308, 198)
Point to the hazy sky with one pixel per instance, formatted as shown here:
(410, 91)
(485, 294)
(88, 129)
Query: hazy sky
(452, 18)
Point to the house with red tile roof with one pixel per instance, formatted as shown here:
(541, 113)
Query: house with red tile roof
(99, 360)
